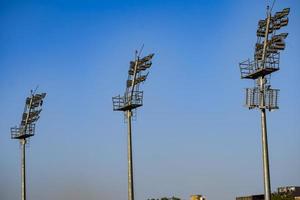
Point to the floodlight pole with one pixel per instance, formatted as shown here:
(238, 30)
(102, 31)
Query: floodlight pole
(23, 157)
(266, 169)
(23, 169)
(129, 154)
(265, 152)
(129, 140)
(26, 130)
(132, 99)
(266, 61)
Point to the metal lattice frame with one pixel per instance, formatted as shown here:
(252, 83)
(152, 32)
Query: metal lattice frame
(20, 132)
(126, 102)
(254, 98)
(256, 68)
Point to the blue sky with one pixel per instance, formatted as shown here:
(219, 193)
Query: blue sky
(192, 135)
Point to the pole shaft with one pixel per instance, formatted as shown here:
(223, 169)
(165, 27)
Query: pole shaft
(266, 170)
(130, 163)
(23, 170)
(262, 82)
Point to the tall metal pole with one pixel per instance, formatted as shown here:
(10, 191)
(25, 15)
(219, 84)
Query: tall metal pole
(265, 153)
(23, 170)
(129, 154)
(129, 145)
(27, 129)
(266, 170)
(132, 99)
(266, 61)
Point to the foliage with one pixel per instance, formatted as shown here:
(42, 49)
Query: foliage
(285, 196)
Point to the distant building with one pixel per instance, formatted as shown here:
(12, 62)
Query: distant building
(252, 197)
(197, 197)
(166, 198)
(294, 191)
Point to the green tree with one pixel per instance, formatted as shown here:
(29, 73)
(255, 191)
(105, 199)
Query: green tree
(285, 196)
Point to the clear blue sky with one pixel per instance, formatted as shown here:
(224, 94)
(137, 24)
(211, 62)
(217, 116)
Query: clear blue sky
(192, 135)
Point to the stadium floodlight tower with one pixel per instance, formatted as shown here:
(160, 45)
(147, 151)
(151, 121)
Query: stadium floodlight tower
(26, 129)
(132, 99)
(266, 61)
